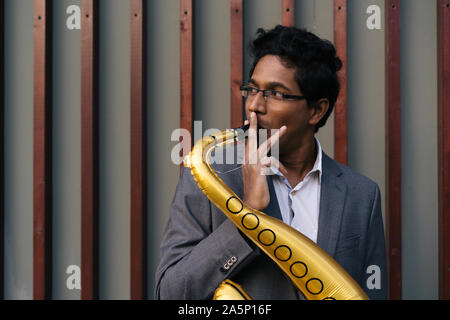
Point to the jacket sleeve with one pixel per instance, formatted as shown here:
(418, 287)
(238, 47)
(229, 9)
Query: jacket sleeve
(375, 270)
(194, 257)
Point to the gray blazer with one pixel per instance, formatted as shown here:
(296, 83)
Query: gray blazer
(201, 247)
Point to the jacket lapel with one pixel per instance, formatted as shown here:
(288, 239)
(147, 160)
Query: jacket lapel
(332, 199)
(273, 209)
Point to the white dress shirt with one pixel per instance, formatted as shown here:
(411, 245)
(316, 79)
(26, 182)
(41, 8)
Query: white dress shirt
(299, 206)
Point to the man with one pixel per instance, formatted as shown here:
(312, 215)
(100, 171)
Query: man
(293, 87)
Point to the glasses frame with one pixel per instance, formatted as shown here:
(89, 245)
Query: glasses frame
(267, 93)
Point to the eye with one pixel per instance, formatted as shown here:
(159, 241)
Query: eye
(252, 90)
(278, 94)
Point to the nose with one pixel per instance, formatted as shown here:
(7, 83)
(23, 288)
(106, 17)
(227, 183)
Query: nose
(257, 103)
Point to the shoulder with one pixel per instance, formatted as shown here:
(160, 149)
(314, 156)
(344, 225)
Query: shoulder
(353, 180)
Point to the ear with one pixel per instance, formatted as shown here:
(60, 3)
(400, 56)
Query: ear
(319, 111)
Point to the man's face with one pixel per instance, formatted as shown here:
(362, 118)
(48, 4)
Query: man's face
(271, 74)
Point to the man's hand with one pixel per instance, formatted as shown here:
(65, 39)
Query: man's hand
(256, 189)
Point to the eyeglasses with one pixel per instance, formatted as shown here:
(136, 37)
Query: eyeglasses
(249, 91)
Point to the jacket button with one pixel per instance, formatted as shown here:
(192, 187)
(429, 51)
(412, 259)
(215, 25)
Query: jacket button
(228, 264)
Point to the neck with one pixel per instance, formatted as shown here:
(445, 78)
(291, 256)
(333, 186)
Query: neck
(300, 159)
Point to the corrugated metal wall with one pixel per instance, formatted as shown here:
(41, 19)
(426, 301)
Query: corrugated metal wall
(366, 109)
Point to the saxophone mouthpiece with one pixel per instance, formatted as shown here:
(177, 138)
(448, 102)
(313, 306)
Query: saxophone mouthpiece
(243, 128)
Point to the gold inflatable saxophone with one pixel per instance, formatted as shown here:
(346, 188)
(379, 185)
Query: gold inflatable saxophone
(317, 275)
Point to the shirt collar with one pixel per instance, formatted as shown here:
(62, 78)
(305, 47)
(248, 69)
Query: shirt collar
(317, 164)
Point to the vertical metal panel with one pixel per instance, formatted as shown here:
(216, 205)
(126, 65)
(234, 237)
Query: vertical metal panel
(66, 148)
(89, 150)
(444, 146)
(393, 149)
(186, 65)
(340, 109)
(366, 93)
(264, 14)
(288, 13)
(237, 61)
(114, 149)
(163, 118)
(420, 244)
(19, 20)
(138, 151)
(211, 65)
(42, 151)
(2, 128)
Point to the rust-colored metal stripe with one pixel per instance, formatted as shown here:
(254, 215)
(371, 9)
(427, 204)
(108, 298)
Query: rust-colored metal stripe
(288, 13)
(2, 153)
(444, 146)
(89, 150)
(138, 288)
(42, 261)
(340, 112)
(237, 62)
(393, 150)
(186, 65)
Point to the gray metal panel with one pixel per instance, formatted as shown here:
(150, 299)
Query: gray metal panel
(163, 116)
(18, 149)
(258, 14)
(366, 94)
(114, 150)
(419, 150)
(66, 150)
(212, 63)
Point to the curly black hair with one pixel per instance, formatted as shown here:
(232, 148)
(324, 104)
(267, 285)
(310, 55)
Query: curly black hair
(313, 58)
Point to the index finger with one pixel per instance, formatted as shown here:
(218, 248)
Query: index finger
(266, 145)
(252, 139)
